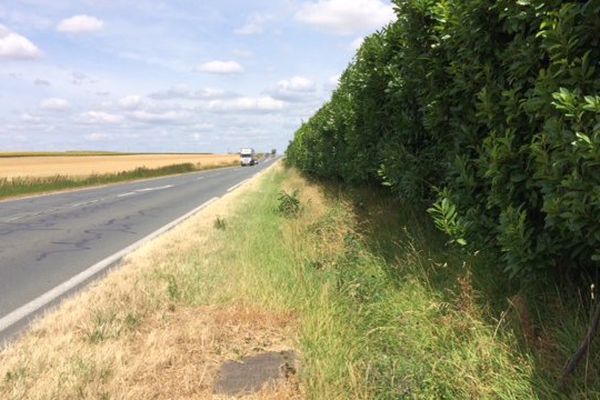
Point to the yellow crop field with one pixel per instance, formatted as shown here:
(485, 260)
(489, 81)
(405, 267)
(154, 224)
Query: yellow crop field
(85, 165)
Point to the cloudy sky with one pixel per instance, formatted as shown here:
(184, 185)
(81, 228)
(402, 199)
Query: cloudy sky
(177, 75)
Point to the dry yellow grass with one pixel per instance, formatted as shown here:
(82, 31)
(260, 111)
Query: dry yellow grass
(80, 166)
(129, 337)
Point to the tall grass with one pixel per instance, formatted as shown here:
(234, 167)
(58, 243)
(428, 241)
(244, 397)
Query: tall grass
(18, 186)
(372, 323)
(386, 309)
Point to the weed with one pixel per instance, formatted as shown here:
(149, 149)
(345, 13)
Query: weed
(314, 264)
(173, 288)
(289, 204)
(103, 328)
(108, 325)
(15, 375)
(220, 224)
(132, 320)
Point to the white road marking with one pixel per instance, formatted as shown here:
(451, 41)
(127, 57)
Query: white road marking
(84, 203)
(21, 216)
(151, 189)
(75, 205)
(237, 185)
(24, 311)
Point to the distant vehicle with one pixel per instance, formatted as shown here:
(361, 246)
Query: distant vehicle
(248, 157)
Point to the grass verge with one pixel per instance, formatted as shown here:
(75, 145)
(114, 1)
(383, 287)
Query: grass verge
(360, 284)
(20, 186)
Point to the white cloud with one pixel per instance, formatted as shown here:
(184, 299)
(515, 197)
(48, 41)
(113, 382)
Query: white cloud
(175, 92)
(55, 104)
(295, 89)
(101, 117)
(209, 93)
(97, 137)
(254, 25)
(131, 102)
(332, 83)
(184, 92)
(16, 47)
(247, 104)
(30, 118)
(202, 126)
(80, 24)
(157, 117)
(335, 79)
(356, 43)
(297, 84)
(221, 67)
(343, 17)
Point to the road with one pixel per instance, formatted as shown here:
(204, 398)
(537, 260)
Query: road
(47, 240)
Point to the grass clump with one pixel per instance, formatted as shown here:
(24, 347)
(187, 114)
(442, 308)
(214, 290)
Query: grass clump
(220, 224)
(289, 205)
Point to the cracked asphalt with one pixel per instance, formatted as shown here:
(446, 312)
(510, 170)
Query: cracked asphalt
(46, 240)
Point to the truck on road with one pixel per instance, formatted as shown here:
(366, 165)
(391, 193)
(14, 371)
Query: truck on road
(248, 157)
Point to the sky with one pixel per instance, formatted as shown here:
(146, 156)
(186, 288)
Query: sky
(172, 76)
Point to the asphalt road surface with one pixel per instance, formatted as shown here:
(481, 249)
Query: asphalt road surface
(47, 240)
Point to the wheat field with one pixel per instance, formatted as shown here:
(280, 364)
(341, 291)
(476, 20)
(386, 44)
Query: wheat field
(85, 165)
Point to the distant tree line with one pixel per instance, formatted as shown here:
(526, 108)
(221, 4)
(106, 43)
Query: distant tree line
(486, 111)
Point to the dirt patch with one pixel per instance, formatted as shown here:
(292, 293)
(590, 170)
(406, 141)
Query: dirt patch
(252, 374)
(179, 356)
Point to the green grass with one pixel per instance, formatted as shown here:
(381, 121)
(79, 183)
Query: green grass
(12, 187)
(386, 310)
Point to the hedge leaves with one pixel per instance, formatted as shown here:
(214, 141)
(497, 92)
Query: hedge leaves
(487, 110)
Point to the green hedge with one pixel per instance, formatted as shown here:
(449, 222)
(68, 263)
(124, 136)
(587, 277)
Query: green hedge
(490, 110)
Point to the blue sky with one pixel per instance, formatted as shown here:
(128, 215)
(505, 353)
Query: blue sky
(194, 76)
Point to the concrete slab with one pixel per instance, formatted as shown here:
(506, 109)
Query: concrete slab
(251, 374)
